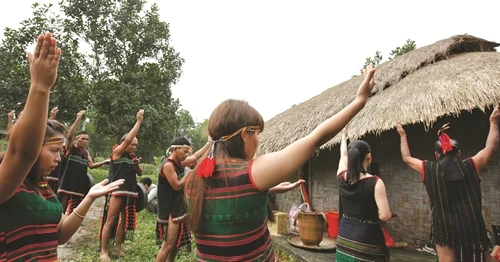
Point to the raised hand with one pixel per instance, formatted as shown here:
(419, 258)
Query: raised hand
(400, 129)
(369, 71)
(44, 62)
(345, 133)
(80, 114)
(103, 188)
(366, 87)
(495, 115)
(53, 112)
(11, 115)
(140, 115)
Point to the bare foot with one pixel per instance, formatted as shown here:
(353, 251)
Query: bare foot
(119, 252)
(105, 257)
(72, 241)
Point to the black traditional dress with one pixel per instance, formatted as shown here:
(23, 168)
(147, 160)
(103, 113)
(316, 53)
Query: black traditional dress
(455, 197)
(360, 236)
(74, 180)
(171, 204)
(123, 168)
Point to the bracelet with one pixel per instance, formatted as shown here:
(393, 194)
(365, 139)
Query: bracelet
(78, 215)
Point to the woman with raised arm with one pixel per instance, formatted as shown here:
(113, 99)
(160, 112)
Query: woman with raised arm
(31, 220)
(121, 203)
(453, 185)
(362, 204)
(228, 197)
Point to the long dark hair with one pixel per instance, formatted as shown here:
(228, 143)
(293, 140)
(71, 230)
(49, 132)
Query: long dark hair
(357, 151)
(226, 119)
(33, 178)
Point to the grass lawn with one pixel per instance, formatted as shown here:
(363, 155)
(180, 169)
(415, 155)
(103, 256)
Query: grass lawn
(143, 246)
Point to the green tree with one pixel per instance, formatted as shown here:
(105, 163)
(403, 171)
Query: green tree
(71, 91)
(407, 47)
(398, 51)
(99, 145)
(198, 135)
(132, 65)
(375, 60)
(185, 123)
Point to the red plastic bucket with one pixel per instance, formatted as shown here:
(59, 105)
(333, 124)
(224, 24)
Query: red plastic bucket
(332, 218)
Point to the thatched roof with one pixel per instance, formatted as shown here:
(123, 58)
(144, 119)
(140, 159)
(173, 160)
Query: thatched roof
(445, 78)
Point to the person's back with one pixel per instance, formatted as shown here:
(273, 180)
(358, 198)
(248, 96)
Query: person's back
(358, 199)
(457, 225)
(455, 197)
(152, 193)
(362, 204)
(234, 228)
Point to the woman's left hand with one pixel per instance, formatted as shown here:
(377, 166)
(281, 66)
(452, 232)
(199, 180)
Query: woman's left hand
(103, 188)
(290, 186)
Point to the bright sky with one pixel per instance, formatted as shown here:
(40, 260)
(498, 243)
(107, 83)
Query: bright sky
(278, 53)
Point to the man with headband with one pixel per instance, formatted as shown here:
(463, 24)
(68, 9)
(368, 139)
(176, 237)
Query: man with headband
(171, 231)
(74, 183)
(453, 185)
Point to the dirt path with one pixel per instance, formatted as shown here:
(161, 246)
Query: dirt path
(66, 251)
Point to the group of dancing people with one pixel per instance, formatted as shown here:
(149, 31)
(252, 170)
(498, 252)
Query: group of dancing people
(223, 198)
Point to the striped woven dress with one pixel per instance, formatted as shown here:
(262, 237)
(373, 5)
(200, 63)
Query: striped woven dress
(28, 225)
(234, 225)
(455, 199)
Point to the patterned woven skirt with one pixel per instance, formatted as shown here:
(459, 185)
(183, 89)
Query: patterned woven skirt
(358, 241)
(130, 219)
(183, 240)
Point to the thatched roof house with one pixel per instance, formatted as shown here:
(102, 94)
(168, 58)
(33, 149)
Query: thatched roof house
(452, 75)
(454, 80)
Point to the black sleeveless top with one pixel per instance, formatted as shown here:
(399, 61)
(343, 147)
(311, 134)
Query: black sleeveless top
(124, 168)
(455, 198)
(170, 202)
(358, 200)
(73, 176)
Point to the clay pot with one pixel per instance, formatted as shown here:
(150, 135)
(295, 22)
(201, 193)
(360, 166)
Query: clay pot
(311, 227)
